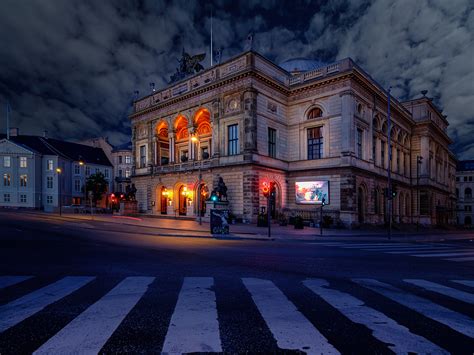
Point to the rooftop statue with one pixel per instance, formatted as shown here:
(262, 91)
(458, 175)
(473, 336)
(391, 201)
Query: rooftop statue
(188, 65)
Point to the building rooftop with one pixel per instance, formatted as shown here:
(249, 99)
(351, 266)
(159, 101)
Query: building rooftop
(124, 146)
(299, 65)
(67, 150)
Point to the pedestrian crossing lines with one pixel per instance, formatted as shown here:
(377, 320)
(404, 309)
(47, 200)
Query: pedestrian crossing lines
(194, 324)
(448, 252)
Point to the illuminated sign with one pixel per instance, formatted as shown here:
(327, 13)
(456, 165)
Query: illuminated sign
(312, 192)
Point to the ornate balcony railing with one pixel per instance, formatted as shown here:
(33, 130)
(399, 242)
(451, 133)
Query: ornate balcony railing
(186, 166)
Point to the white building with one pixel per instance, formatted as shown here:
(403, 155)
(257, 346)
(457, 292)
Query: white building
(464, 188)
(29, 171)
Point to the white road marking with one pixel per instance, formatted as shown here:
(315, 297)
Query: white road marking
(419, 251)
(435, 255)
(194, 326)
(399, 338)
(470, 258)
(454, 320)
(390, 248)
(469, 283)
(90, 330)
(6, 281)
(444, 290)
(289, 327)
(18, 310)
(359, 246)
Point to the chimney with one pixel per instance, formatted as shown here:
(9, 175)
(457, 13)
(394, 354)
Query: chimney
(45, 134)
(14, 132)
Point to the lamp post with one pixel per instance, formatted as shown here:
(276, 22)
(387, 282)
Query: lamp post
(59, 171)
(389, 177)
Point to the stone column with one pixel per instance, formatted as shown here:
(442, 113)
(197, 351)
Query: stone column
(250, 121)
(215, 129)
(347, 118)
(150, 152)
(171, 139)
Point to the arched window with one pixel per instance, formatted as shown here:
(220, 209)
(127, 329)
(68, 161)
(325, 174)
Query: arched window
(468, 193)
(315, 113)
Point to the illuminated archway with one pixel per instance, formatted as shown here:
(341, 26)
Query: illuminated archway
(162, 143)
(202, 122)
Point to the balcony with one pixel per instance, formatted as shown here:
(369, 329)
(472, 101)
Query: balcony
(180, 167)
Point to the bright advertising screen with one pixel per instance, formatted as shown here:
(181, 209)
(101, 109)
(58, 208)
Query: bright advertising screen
(312, 192)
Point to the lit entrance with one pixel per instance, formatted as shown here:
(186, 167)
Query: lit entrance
(163, 200)
(204, 191)
(183, 199)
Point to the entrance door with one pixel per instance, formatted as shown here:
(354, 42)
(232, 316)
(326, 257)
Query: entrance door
(182, 201)
(163, 200)
(360, 204)
(204, 191)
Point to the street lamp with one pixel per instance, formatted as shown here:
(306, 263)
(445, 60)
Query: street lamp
(59, 172)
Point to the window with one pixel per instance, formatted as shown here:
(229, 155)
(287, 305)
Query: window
(77, 185)
(50, 165)
(468, 208)
(374, 149)
(315, 143)
(457, 178)
(23, 162)
(398, 161)
(204, 153)
(120, 159)
(470, 178)
(359, 143)
(233, 139)
(465, 178)
(77, 169)
(88, 170)
(6, 197)
(468, 193)
(106, 173)
(49, 182)
(6, 180)
(382, 154)
(97, 170)
(128, 159)
(127, 173)
(49, 200)
(424, 203)
(142, 156)
(120, 173)
(22, 198)
(23, 180)
(315, 113)
(272, 142)
(7, 162)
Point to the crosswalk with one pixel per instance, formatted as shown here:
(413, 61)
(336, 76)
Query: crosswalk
(442, 251)
(194, 325)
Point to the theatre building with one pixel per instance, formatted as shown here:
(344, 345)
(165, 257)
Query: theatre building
(316, 130)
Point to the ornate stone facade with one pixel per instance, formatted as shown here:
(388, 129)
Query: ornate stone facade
(248, 121)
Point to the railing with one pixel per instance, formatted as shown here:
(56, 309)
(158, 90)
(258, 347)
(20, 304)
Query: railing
(316, 73)
(186, 166)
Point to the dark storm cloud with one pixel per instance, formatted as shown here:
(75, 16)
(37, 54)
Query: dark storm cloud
(71, 67)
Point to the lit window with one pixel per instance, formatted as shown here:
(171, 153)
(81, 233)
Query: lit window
(142, 156)
(23, 162)
(6, 197)
(359, 143)
(233, 139)
(50, 165)
(77, 185)
(7, 162)
(271, 142)
(6, 180)
(128, 159)
(315, 143)
(127, 173)
(49, 200)
(23, 180)
(315, 113)
(49, 182)
(23, 198)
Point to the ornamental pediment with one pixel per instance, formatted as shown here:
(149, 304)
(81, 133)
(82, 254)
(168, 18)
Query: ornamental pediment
(9, 147)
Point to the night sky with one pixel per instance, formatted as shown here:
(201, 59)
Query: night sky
(71, 67)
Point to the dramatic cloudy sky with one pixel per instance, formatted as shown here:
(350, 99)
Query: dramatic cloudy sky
(71, 67)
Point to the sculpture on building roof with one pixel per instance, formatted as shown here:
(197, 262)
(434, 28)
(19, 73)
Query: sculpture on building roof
(188, 65)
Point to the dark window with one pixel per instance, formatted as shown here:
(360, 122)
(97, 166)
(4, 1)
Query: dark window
(142, 156)
(374, 149)
(272, 142)
(315, 143)
(120, 159)
(382, 154)
(359, 143)
(457, 178)
(465, 178)
(468, 193)
(233, 139)
(468, 208)
(315, 113)
(424, 203)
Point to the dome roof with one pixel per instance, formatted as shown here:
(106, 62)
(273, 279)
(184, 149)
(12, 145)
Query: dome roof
(298, 65)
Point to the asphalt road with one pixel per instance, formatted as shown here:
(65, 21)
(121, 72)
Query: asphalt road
(86, 286)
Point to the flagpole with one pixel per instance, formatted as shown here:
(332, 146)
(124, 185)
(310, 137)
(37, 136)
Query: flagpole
(211, 38)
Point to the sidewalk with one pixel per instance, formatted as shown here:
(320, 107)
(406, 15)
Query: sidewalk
(190, 228)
